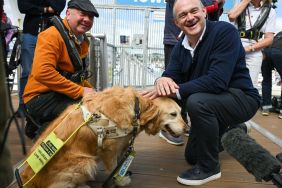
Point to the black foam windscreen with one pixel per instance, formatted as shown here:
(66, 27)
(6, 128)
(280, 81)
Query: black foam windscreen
(256, 159)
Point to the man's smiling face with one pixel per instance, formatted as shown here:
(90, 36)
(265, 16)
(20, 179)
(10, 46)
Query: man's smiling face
(190, 17)
(79, 21)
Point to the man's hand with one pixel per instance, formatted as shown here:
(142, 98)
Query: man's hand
(88, 90)
(151, 94)
(165, 86)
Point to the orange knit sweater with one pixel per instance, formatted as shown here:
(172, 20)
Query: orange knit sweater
(51, 54)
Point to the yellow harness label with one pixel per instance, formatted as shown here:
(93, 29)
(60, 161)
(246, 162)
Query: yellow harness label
(44, 152)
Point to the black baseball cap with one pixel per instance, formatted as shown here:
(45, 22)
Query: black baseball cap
(84, 5)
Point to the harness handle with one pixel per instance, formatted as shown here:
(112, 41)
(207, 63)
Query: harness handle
(109, 180)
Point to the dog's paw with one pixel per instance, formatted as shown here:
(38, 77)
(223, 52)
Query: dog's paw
(124, 181)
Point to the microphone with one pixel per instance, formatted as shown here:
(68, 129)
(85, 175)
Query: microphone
(254, 158)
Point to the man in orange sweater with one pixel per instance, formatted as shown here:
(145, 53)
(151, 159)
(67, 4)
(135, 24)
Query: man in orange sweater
(48, 92)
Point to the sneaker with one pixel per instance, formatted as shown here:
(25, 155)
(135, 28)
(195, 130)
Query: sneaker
(280, 114)
(265, 112)
(196, 176)
(171, 139)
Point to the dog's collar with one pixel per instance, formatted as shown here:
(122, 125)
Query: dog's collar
(103, 127)
(136, 119)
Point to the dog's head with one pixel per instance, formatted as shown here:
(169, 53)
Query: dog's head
(118, 104)
(170, 115)
(163, 113)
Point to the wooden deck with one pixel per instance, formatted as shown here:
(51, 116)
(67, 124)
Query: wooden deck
(157, 163)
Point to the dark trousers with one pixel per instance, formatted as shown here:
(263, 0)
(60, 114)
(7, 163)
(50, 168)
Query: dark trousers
(272, 59)
(211, 115)
(47, 106)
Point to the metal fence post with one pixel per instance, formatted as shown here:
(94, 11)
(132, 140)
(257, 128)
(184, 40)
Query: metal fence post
(145, 48)
(93, 63)
(98, 61)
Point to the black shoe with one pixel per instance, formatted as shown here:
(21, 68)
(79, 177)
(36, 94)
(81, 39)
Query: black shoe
(30, 129)
(196, 176)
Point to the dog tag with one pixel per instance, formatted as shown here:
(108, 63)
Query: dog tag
(44, 152)
(125, 165)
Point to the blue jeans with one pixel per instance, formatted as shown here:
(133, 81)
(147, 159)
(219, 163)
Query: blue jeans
(27, 53)
(273, 59)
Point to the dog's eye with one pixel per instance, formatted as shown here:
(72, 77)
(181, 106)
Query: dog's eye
(174, 114)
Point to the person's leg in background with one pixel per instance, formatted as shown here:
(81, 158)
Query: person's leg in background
(6, 169)
(167, 52)
(276, 55)
(266, 70)
(27, 53)
(254, 61)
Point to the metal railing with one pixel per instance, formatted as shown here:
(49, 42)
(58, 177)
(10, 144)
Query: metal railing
(98, 61)
(123, 66)
(130, 69)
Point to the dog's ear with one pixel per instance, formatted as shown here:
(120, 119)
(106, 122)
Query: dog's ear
(149, 116)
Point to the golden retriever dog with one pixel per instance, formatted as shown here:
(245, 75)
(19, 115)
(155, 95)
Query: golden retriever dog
(76, 162)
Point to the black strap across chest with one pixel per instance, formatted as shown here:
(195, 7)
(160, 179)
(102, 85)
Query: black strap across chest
(73, 53)
(254, 32)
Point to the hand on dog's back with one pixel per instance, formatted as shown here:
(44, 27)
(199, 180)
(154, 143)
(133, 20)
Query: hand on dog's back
(88, 90)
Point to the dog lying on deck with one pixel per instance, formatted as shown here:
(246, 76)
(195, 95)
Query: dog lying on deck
(76, 162)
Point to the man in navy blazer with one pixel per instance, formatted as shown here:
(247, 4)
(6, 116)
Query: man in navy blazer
(208, 74)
